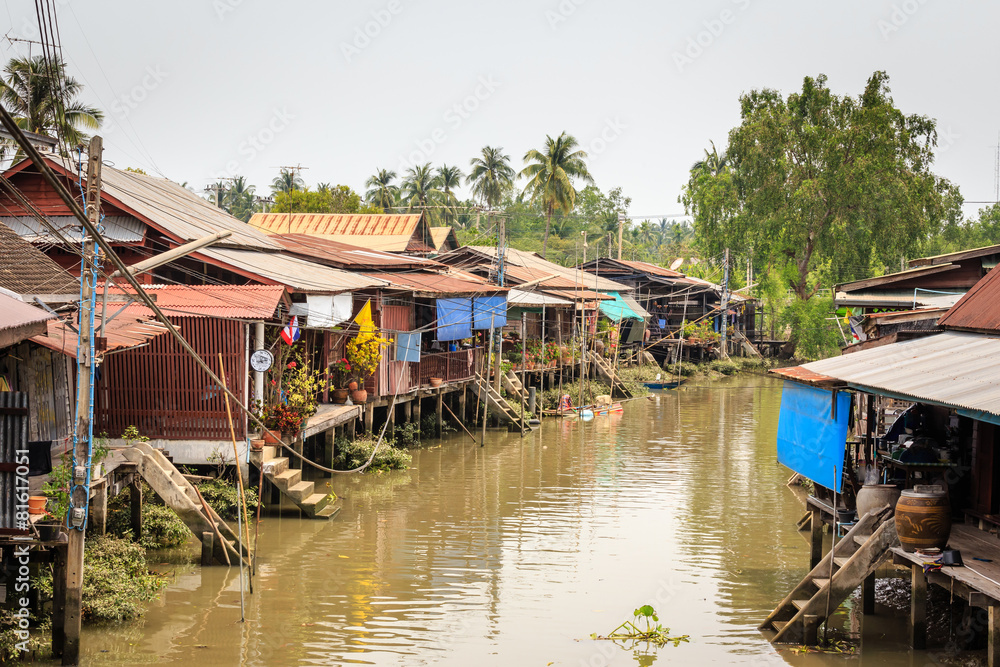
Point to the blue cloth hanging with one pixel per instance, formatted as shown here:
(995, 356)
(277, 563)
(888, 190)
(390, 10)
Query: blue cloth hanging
(408, 346)
(454, 319)
(489, 308)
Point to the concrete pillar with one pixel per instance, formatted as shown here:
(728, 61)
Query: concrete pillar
(207, 548)
(416, 408)
(532, 397)
(258, 378)
(462, 402)
(350, 429)
(408, 412)
(99, 508)
(59, 574)
(993, 648)
(135, 506)
(369, 418)
(328, 439)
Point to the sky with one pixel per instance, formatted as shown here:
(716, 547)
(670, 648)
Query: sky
(199, 90)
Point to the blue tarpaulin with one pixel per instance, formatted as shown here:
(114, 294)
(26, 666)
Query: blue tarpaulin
(408, 346)
(485, 308)
(454, 319)
(811, 440)
(617, 309)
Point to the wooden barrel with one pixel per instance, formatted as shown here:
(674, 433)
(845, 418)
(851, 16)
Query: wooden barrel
(923, 518)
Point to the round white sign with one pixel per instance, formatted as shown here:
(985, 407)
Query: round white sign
(261, 361)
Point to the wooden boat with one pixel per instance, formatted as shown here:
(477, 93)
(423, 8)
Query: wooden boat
(663, 385)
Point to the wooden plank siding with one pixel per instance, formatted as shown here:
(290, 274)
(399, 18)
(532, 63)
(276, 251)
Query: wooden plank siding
(47, 379)
(162, 391)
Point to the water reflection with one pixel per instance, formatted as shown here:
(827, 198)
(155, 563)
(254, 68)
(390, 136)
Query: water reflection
(515, 553)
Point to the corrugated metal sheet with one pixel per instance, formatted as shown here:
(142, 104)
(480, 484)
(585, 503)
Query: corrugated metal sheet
(122, 332)
(320, 224)
(523, 298)
(19, 320)
(255, 302)
(117, 228)
(979, 308)
(425, 282)
(440, 236)
(27, 270)
(539, 268)
(636, 308)
(578, 295)
(298, 274)
(895, 299)
(653, 269)
(960, 370)
(346, 256)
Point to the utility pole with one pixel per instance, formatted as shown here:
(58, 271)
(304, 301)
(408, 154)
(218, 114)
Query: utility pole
(583, 325)
(501, 258)
(725, 305)
(80, 488)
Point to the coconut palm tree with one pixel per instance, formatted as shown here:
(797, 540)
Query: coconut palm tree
(43, 100)
(491, 176)
(239, 199)
(287, 181)
(382, 192)
(550, 175)
(420, 187)
(448, 179)
(713, 163)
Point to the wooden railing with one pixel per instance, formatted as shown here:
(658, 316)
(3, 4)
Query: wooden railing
(449, 366)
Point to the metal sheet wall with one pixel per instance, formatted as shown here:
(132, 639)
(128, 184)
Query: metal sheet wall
(164, 393)
(13, 437)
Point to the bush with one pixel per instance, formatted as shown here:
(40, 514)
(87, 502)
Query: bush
(724, 366)
(351, 454)
(117, 580)
(224, 497)
(37, 646)
(161, 527)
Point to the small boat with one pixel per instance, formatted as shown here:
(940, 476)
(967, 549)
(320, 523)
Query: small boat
(663, 385)
(566, 409)
(609, 409)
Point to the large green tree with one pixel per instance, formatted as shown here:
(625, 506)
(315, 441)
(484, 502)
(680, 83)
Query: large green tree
(491, 176)
(331, 199)
(820, 187)
(43, 100)
(550, 173)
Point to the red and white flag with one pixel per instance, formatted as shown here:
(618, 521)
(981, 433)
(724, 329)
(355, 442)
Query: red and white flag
(291, 332)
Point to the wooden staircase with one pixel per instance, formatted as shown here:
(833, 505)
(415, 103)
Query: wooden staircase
(314, 504)
(618, 390)
(855, 556)
(498, 404)
(512, 384)
(179, 495)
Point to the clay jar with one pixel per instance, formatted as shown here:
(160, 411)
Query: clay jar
(873, 497)
(923, 518)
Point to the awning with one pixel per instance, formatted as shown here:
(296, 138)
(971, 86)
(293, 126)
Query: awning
(951, 369)
(636, 308)
(618, 309)
(812, 433)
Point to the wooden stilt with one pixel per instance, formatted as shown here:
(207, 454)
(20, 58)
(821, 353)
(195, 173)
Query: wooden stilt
(99, 508)
(351, 428)
(416, 410)
(918, 608)
(408, 411)
(440, 412)
(993, 648)
(328, 439)
(815, 538)
(58, 599)
(369, 418)
(207, 548)
(868, 595)
(462, 401)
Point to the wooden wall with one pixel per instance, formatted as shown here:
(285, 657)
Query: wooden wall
(48, 378)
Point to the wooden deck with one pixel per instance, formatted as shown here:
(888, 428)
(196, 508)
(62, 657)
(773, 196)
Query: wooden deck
(977, 581)
(329, 415)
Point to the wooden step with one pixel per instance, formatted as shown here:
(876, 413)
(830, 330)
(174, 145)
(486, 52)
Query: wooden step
(800, 604)
(841, 561)
(779, 625)
(820, 583)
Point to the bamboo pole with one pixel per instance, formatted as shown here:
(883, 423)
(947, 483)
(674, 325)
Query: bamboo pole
(215, 526)
(459, 421)
(236, 459)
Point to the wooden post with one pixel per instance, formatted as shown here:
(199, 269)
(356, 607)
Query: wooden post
(58, 599)
(815, 538)
(135, 507)
(207, 548)
(79, 495)
(918, 608)
(416, 408)
(440, 412)
(462, 401)
(868, 595)
(328, 439)
(408, 411)
(993, 648)
(369, 417)
(351, 429)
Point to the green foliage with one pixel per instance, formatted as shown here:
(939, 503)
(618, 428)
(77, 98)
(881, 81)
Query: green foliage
(223, 496)
(407, 435)
(814, 332)
(57, 488)
(337, 199)
(116, 580)
(161, 527)
(11, 644)
(651, 631)
(724, 366)
(351, 454)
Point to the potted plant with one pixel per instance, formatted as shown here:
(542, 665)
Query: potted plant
(281, 420)
(342, 382)
(364, 352)
(57, 490)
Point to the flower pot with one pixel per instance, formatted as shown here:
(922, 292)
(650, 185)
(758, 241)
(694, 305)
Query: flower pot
(36, 504)
(359, 396)
(352, 385)
(257, 444)
(96, 471)
(340, 396)
(272, 437)
(435, 382)
(48, 531)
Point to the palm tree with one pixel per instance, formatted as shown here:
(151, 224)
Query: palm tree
(491, 176)
(713, 163)
(42, 100)
(420, 187)
(449, 178)
(287, 181)
(647, 233)
(550, 177)
(324, 187)
(239, 199)
(381, 190)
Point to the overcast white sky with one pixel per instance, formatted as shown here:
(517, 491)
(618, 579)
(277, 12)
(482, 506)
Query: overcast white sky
(194, 90)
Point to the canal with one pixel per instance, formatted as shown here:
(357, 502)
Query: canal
(514, 553)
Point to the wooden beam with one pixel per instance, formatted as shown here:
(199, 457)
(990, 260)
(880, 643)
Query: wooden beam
(918, 608)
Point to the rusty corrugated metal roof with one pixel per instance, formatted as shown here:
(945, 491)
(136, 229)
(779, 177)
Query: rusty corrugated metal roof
(955, 369)
(255, 302)
(382, 231)
(122, 332)
(653, 269)
(280, 268)
(27, 270)
(979, 308)
(539, 268)
(576, 295)
(437, 284)
(802, 374)
(19, 320)
(440, 236)
(346, 256)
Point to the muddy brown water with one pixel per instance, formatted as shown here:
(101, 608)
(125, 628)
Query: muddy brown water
(514, 553)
